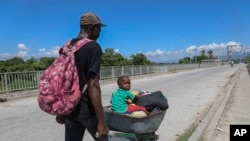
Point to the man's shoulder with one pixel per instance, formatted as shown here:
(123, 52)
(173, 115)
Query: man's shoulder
(91, 46)
(92, 43)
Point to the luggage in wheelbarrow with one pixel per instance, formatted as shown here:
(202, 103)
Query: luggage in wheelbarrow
(136, 125)
(154, 100)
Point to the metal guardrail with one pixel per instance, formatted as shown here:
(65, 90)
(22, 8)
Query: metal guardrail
(20, 81)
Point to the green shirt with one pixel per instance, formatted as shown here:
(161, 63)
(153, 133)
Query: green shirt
(119, 100)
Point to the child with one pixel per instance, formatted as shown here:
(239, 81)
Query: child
(119, 100)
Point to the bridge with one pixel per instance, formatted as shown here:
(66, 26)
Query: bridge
(202, 100)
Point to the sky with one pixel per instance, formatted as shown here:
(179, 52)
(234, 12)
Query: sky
(163, 30)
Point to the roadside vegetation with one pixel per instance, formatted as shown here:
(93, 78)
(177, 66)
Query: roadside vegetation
(209, 56)
(110, 58)
(185, 136)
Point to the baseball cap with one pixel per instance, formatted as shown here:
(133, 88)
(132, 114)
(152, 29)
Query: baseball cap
(90, 18)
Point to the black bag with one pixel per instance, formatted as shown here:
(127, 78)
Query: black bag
(154, 100)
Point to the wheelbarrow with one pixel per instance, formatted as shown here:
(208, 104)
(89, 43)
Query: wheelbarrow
(129, 128)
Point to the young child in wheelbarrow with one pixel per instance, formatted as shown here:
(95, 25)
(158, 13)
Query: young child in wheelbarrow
(121, 98)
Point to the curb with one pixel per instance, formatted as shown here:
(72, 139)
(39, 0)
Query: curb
(216, 110)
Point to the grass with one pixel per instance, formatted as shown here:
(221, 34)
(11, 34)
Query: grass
(185, 136)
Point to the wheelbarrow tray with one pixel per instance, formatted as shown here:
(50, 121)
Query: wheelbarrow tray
(136, 125)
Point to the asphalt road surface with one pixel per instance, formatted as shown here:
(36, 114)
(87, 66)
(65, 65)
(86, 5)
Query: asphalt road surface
(190, 94)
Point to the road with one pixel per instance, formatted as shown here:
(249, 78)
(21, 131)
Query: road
(190, 95)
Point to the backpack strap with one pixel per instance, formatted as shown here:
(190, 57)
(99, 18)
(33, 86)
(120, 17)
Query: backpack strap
(68, 48)
(79, 44)
(75, 47)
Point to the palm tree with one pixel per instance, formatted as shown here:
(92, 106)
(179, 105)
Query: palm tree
(210, 52)
(203, 52)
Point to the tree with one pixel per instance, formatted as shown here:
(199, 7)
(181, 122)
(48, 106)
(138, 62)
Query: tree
(202, 57)
(185, 60)
(47, 60)
(31, 60)
(203, 52)
(210, 53)
(43, 63)
(140, 59)
(111, 58)
(2, 66)
(15, 64)
(39, 66)
(29, 64)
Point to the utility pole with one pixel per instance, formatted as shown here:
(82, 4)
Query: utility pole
(190, 55)
(195, 55)
(229, 50)
(218, 53)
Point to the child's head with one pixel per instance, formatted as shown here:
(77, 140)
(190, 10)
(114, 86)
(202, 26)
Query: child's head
(124, 82)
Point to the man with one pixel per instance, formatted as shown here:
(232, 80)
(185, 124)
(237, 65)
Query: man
(89, 112)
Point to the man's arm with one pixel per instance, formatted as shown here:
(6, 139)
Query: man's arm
(94, 92)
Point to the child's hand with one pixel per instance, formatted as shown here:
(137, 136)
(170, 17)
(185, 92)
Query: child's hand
(138, 96)
(134, 93)
(129, 101)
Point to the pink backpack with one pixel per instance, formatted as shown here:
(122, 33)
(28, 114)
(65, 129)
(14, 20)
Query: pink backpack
(59, 91)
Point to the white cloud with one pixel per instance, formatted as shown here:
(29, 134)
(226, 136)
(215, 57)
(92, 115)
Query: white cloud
(23, 51)
(232, 43)
(22, 54)
(169, 52)
(5, 56)
(202, 47)
(155, 53)
(53, 52)
(42, 50)
(219, 49)
(116, 50)
(190, 49)
(22, 46)
(212, 46)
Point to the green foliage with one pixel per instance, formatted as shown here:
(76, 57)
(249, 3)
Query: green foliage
(203, 52)
(185, 60)
(47, 60)
(197, 59)
(246, 59)
(210, 54)
(109, 58)
(112, 58)
(39, 66)
(140, 59)
(17, 64)
(2, 66)
(187, 134)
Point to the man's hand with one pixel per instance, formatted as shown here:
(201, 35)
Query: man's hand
(102, 132)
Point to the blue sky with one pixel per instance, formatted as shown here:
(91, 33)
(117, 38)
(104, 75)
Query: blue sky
(163, 30)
